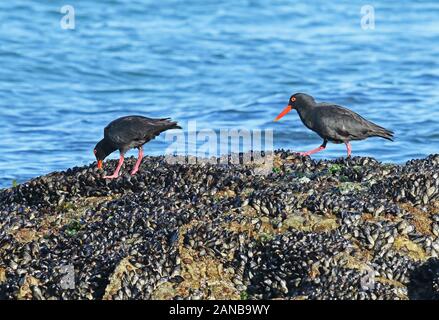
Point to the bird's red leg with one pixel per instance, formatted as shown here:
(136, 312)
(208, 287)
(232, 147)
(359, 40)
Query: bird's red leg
(348, 147)
(139, 161)
(115, 175)
(322, 147)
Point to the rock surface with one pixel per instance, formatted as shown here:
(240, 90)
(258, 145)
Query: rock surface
(340, 229)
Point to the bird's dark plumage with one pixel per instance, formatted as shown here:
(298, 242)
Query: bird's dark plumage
(130, 132)
(134, 131)
(338, 124)
(333, 122)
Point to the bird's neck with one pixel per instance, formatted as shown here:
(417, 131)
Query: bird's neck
(306, 113)
(107, 147)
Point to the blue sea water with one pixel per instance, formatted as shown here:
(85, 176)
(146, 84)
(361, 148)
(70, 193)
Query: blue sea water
(225, 64)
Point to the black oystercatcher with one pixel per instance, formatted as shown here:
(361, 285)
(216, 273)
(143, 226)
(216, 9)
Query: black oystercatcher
(332, 122)
(129, 132)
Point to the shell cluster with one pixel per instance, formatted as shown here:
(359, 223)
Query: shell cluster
(341, 229)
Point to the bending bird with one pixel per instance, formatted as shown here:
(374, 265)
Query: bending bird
(126, 133)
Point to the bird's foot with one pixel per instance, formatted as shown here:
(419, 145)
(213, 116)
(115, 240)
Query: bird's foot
(304, 154)
(113, 176)
(134, 172)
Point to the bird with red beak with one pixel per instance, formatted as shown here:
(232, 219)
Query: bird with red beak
(126, 133)
(332, 122)
(287, 109)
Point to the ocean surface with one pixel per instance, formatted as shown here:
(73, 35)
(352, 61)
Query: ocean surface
(224, 64)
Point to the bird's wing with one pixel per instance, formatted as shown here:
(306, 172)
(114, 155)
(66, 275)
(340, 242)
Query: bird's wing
(125, 130)
(342, 123)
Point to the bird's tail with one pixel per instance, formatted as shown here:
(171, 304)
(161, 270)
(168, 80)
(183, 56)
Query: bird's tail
(378, 131)
(168, 124)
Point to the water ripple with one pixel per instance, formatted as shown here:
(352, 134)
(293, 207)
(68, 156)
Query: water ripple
(225, 64)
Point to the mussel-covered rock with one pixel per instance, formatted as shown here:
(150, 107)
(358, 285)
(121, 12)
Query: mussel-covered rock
(342, 229)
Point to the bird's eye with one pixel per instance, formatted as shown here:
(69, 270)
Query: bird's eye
(293, 99)
(94, 151)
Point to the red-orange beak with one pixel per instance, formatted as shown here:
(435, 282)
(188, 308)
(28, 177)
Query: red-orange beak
(99, 164)
(284, 112)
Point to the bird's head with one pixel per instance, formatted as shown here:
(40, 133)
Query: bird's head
(296, 101)
(101, 151)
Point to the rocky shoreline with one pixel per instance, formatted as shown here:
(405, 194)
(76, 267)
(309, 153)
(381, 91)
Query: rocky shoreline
(340, 229)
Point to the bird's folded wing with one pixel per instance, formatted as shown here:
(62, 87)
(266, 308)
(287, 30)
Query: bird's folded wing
(131, 129)
(343, 122)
